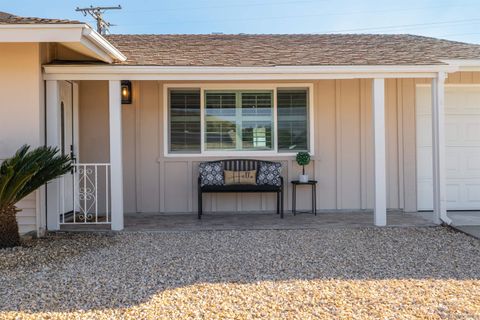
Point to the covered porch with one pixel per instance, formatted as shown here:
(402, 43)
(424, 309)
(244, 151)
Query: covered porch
(105, 202)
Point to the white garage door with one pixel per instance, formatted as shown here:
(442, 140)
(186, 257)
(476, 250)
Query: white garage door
(462, 135)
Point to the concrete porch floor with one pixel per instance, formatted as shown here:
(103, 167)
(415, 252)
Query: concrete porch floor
(256, 221)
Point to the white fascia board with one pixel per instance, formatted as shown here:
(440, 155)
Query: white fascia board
(81, 72)
(96, 51)
(102, 43)
(464, 64)
(62, 33)
(41, 32)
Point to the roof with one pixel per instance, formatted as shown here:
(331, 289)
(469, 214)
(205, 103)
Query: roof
(8, 18)
(244, 50)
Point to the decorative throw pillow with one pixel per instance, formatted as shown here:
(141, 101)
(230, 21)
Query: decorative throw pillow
(240, 177)
(211, 173)
(269, 173)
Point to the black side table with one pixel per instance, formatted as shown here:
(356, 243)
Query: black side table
(313, 184)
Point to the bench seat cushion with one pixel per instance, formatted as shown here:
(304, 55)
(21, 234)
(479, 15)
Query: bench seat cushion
(240, 188)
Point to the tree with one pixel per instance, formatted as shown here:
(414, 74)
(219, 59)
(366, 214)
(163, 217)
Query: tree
(20, 175)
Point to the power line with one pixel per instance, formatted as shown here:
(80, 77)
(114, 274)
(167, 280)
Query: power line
(406, 25)
(97, 13)
(300, 16)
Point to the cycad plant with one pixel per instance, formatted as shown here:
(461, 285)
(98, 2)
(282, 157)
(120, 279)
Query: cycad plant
(21, 175)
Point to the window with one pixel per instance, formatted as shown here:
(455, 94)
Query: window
(232, 120)
(185, 121)
(238, 120)
(292, 116)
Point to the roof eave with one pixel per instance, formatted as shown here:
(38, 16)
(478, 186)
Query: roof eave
(99, 47)
(86, 72)
(464, 64)
(102, 43)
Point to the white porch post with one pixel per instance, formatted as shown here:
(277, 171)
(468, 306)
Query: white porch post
(52, 128)
(378, 101)
(438, 150)
(116, 163)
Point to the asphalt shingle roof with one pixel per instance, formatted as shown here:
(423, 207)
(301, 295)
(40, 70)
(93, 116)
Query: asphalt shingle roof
(8, 18)
(244, 50)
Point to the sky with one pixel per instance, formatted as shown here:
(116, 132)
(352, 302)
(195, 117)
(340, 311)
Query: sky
(448, 19)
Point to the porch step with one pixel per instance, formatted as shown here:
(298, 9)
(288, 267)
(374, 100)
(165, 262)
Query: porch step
(85, 227)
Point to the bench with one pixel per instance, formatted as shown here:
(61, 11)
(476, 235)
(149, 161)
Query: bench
(241, 165)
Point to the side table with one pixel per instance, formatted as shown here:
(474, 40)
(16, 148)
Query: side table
(313, 184)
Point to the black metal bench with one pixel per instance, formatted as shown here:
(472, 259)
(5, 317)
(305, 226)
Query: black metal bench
(240, 165)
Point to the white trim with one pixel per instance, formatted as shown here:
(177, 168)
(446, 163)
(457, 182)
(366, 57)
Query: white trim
(62, 33)
(234, 86)
(129, 69)
(121, 72)
(97, 52)
(380, 184)
(102, 43)
(465, 64)
(41, 33)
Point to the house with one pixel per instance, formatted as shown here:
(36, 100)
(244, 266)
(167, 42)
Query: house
(140, 112)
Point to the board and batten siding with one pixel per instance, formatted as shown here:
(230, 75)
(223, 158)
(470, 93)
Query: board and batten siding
(342, 163)
(22, 115)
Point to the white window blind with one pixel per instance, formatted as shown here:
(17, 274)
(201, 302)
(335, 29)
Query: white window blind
(237, 120)
(185, 121)
(292, 115)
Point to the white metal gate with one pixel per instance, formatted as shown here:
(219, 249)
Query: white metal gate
(91, 194)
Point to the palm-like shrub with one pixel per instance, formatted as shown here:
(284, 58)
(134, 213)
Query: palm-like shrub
(21, 175)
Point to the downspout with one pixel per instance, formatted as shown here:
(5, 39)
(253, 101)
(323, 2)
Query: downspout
(438, 148)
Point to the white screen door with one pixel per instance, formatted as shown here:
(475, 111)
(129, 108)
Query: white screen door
(67, 141)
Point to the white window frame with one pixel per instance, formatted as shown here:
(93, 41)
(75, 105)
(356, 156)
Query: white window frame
(237, 87)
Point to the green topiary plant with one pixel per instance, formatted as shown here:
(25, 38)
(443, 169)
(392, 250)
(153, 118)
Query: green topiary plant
(20, 175)
(303, 159)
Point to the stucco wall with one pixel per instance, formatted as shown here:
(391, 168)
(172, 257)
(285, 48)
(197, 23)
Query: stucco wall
(21, 113)
(343, 149)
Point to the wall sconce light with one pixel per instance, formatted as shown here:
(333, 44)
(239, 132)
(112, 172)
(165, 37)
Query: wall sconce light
(126, 91)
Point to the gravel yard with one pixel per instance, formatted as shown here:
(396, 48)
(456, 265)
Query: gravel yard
(286, 274)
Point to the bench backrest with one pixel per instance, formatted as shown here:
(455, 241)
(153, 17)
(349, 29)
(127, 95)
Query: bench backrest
(240, 164)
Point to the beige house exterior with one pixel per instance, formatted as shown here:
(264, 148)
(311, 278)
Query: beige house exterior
(366, 118)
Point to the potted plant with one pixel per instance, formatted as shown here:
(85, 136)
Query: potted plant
(303, 159)
(20, 175)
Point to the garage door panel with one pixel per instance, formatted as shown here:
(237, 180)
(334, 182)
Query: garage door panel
(473, 194)
(462, 138)
(453, 164)
(472, 128)
(424, 129)
(453, 193)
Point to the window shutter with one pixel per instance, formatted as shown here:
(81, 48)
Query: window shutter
(185, 121)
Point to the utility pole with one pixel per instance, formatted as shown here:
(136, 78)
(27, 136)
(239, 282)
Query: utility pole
(97, 14)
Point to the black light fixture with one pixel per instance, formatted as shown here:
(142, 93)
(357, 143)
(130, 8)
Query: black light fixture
(126, 91)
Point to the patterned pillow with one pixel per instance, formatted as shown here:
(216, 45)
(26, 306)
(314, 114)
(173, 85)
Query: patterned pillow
(211, 173)
(269, 174)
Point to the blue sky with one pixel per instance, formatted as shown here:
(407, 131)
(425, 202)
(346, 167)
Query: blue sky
(449, 19)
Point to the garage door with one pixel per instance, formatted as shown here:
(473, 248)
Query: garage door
(462, 137)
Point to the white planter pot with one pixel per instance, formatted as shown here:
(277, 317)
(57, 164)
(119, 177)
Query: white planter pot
(303, 178)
